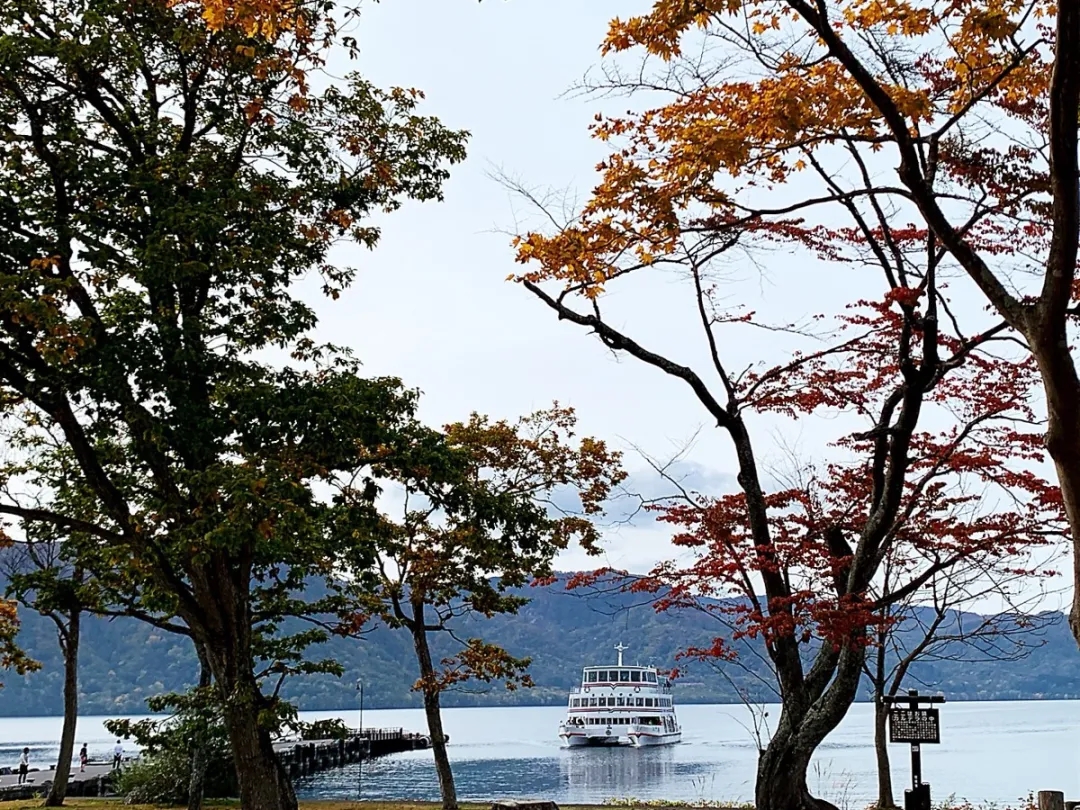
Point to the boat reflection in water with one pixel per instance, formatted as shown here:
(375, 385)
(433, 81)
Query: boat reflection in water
(595, 775)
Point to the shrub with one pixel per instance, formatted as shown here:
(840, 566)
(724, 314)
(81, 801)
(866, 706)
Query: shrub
(332, 729)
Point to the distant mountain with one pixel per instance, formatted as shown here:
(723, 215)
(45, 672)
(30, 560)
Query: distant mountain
(124, 661)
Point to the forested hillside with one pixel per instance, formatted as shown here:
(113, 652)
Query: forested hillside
(123, 661)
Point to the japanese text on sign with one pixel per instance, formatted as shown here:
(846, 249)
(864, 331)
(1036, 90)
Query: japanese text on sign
(914, 726)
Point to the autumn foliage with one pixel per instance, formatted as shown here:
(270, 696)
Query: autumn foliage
(904, 142)
(924, 138)
(483, 512)
(488, 515)
(971, 491)
(11, 657)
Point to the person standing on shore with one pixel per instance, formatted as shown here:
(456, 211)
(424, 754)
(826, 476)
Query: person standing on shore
(24, 766)
(118, 755)
(84, 757)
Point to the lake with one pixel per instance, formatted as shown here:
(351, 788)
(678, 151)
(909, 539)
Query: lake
(990, 752)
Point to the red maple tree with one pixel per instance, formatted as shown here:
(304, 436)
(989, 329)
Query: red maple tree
(907, 134)
(944, 467)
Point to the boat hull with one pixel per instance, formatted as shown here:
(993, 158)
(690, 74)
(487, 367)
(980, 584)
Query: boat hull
(648, 739)
(579, 739)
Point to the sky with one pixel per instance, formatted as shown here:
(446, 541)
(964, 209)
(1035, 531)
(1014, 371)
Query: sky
(432, 304)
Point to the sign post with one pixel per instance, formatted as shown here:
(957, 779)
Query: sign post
(908, 723)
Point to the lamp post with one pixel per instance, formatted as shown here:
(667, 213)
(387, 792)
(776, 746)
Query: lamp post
(360, 756)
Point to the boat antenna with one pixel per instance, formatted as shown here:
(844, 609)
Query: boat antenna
(620, 648)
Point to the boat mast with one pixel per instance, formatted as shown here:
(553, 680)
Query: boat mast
(620, 648)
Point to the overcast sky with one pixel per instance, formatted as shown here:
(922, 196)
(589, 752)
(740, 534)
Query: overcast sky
(432, 304)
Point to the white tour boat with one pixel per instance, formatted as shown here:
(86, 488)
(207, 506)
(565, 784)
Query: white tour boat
(621, 705)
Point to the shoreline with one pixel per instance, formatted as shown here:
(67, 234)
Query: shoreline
(545, 705)
(343, 804)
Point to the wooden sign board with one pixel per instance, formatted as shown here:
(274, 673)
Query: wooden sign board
(914, 726)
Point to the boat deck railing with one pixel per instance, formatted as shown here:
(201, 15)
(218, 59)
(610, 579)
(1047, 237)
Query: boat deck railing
(663, 689)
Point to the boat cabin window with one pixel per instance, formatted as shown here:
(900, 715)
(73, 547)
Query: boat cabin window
(624, 676)
(590, 677)
(635, 676)
(649, 701)
(651, 676)
(639, 701)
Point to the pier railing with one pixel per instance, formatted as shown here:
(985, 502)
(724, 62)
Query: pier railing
(384, 734)
(310, 756)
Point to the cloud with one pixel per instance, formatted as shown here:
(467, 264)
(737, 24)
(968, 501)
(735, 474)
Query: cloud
(647, 485)
(634, 540)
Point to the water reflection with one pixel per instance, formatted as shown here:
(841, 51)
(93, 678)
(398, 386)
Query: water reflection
(580, 775)
(413, 778)
(621, 771)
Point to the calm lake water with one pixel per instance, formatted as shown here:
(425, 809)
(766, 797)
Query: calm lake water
(990, 752)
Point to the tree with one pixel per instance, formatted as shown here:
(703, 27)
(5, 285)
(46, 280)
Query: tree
(487, 515)
(39, 578)
(972, 106)
(163, 186)
(934, 629)
(797, 566)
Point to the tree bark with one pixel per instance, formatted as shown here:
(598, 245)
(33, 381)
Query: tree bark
(223, 626)
(197, 780)
(433, 710)
(813, 706)
(264, 785)
(69, 640)
(781, 775)
(878, 677)
(1062, 386)
(881, 749)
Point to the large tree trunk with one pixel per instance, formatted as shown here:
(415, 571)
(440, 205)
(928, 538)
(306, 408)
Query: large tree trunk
(813, 706)
(781, 775)
(1051, 350)
(432, 710)
(264, 784)
(881, 749)
(70, 643)
(197, 780)
(224, 627)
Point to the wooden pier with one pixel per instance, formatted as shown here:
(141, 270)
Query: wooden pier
(298, 758)
(311, 756)
(95, 781)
